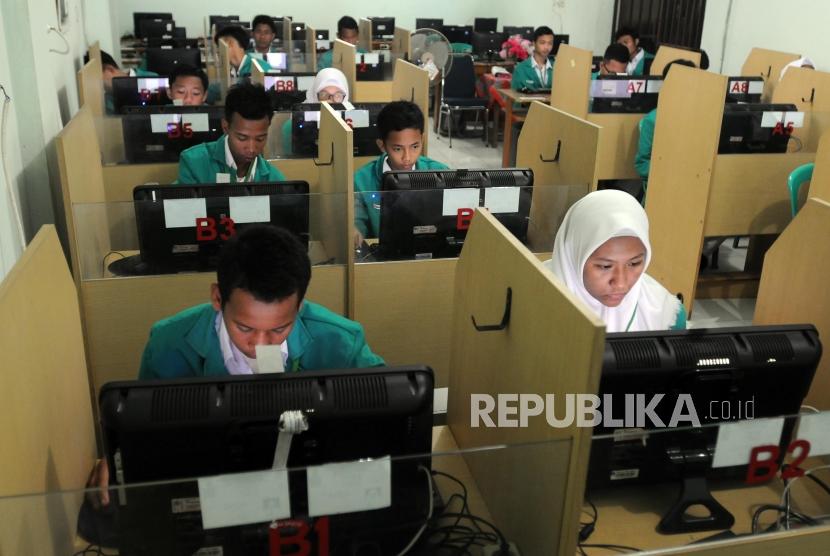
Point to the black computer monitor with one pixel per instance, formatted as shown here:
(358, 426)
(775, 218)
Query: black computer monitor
(756, 128)
(383, 27)
(179, 429)
(770, 367)
(305, 120)
(424, 214)
(174, 42)
(487, 44)
(485, 24)
(524, 32)
(221, 24)
(625, 94)
(458, 33)
(138, 17)
(746, 89)
(138, 91)
(157, 28)
(558, 40)
(164, 60)
(322, 39)
(429, 23)
(372, 66)
(214, 19)
(160, 133)
(297, 31)
(171, 243)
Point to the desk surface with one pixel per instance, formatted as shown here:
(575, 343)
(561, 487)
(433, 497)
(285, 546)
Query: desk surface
(516, 96)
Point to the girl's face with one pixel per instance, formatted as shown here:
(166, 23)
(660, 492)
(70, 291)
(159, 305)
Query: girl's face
(612, 270)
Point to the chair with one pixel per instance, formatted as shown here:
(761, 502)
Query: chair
(803, 173)
(498, 106)
(458, 93)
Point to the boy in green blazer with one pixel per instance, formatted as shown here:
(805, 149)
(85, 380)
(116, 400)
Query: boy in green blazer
(347, 31)
(238, 41)
(630, 38)
(536, 72)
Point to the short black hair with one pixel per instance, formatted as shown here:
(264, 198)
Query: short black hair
(346, 22)
(106, 59)
(399, 115)
(541, 31)
(249, 101)
(186, 70)
(239, 34)
(264, 20)
(617, 52)
(687, 63)
(266, 261)
(626, 30)
(704, 60)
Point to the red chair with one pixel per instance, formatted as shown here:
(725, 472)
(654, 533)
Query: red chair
(497, 107)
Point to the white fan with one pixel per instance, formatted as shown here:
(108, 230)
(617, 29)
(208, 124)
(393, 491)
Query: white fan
(431, 50)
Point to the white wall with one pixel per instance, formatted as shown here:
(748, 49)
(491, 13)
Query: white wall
(797, 26)
(587, 21)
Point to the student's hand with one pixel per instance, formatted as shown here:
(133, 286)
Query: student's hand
(99, 478)
(358, 239)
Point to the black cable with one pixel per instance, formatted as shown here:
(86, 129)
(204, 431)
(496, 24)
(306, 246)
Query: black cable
(104, 260)
(756, 516)
(819, 482)
(615, 547)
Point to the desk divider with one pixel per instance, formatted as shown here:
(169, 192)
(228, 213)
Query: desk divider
(225, 68)
(311, 49)
(288, 40)
(571, 80)
(809, 90)
(343, 58)
(551, 345)
(364, 26)
(666, 54)
(91, 84)
(768, 64)
(820, 184)
(400, 45)
(561, 149)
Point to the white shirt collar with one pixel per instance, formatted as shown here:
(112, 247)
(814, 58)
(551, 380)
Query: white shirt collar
(387, 168)
(537, 67)
(232, 163)
(632, 65)
(236, 362)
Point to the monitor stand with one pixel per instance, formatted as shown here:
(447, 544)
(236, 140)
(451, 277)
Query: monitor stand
(692, 465)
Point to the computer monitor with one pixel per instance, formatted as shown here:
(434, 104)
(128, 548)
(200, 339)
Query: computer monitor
(170, 240)
(214, 19)
(769, 367)
(383, 27)
(363, 119)
(487, 44)
(138, 91)
(157, 28)
(625, 94)
(160, 133)
(559, 39)
(485, 24)
(164, 60)
(524, 32)
(756, 128)
(179, 429)
(746, 89)
(429, 23)
(297, 31)
(227, 23)
(458, 33)
(174, 42)
(371, 66)
(424, 213)
(138, 17)
(322, 39)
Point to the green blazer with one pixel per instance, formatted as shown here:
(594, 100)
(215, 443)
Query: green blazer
(201, 163)
(245, 67)
(367, 197)
(525, 77)
(187, 345)
(642, 160)
(325, 59)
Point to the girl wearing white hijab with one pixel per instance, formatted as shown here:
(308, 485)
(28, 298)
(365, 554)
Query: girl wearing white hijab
(601, 252)
(329, 84)
(802, 62)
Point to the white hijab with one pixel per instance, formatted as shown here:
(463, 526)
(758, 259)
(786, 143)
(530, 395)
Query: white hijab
(326, 78)
(800, 63)
(590, 222)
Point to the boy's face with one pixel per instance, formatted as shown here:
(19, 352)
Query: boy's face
(403, 148)
(350, 36)
(251, 322)
(188, 89)
(629, 42)
(612, 67)
(263, 37)
(544, 45)
(246, 138)
(236, 52)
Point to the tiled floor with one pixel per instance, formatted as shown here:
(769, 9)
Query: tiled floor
(465, 152)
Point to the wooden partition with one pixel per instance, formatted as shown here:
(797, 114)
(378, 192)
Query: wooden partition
(47, 432)
(571, 80)
(400, 45)
(768, 64)
(224, 67)
(820, 184)
(551, 344)
(666, 54)
(365, 34)
(694, 192)
(809, 90)
(561, 149)
(310, 49)
(91, 85)
(343, 58)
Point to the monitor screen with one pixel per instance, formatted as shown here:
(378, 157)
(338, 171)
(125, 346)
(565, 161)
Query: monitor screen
(757, 128)
(485, 24)
(487, 44)
(158, 28)
(164, 60)
(625, 94)
(363, 119)
(424, 214)
(458, 33)
(429, 23)
(160, 430)
(138, 91)
(181, 227)
(745, 89)
(769, 367)
(161, 133)
(138, 17)
(524, 32)
(382, 27)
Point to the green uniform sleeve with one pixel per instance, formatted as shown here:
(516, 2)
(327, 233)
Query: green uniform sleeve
(325, 60)
(363, 200)
(642, 161)
(362, 355)
(273, 173)
(680, 322)
(188, 169)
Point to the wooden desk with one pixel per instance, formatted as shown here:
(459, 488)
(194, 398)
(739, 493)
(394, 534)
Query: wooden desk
(512, 97)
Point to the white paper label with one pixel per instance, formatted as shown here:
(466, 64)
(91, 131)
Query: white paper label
(197, 123)
(815, 428)
(356, 118)
(756, 87)
(339, 488)
(305, 82)
(439, 400)
(279, 83)
(223, 177)
(622, 474)
(736, 440)
(455, 199)
(244, 210)
(269, 359)
(654, 85)
(369, 58)
(502, 199)
(184, 505)
(608, 87)
(182, 213)
(771, 119)
(244, 498)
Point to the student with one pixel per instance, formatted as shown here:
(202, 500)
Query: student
(188, 86)
(110, 69)
(237, 155)
(601, 252)
(265, 31)
(536, 72)
(401, 131)
(630, 38)
(347, 31)
(237, 40)
(614, 61)
(329, 85)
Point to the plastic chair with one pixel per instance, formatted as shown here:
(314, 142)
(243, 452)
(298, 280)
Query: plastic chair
(458, 93)
(803, 173)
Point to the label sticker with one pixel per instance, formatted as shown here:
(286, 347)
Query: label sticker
(621, 474)
(244, 498)
(182, 213)
(815, 429)
(356, 118)
(185, 505)
(736, 440)
(772, 119)
(245, 210)
(454, 199)
(502, 199)
(338, 488)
